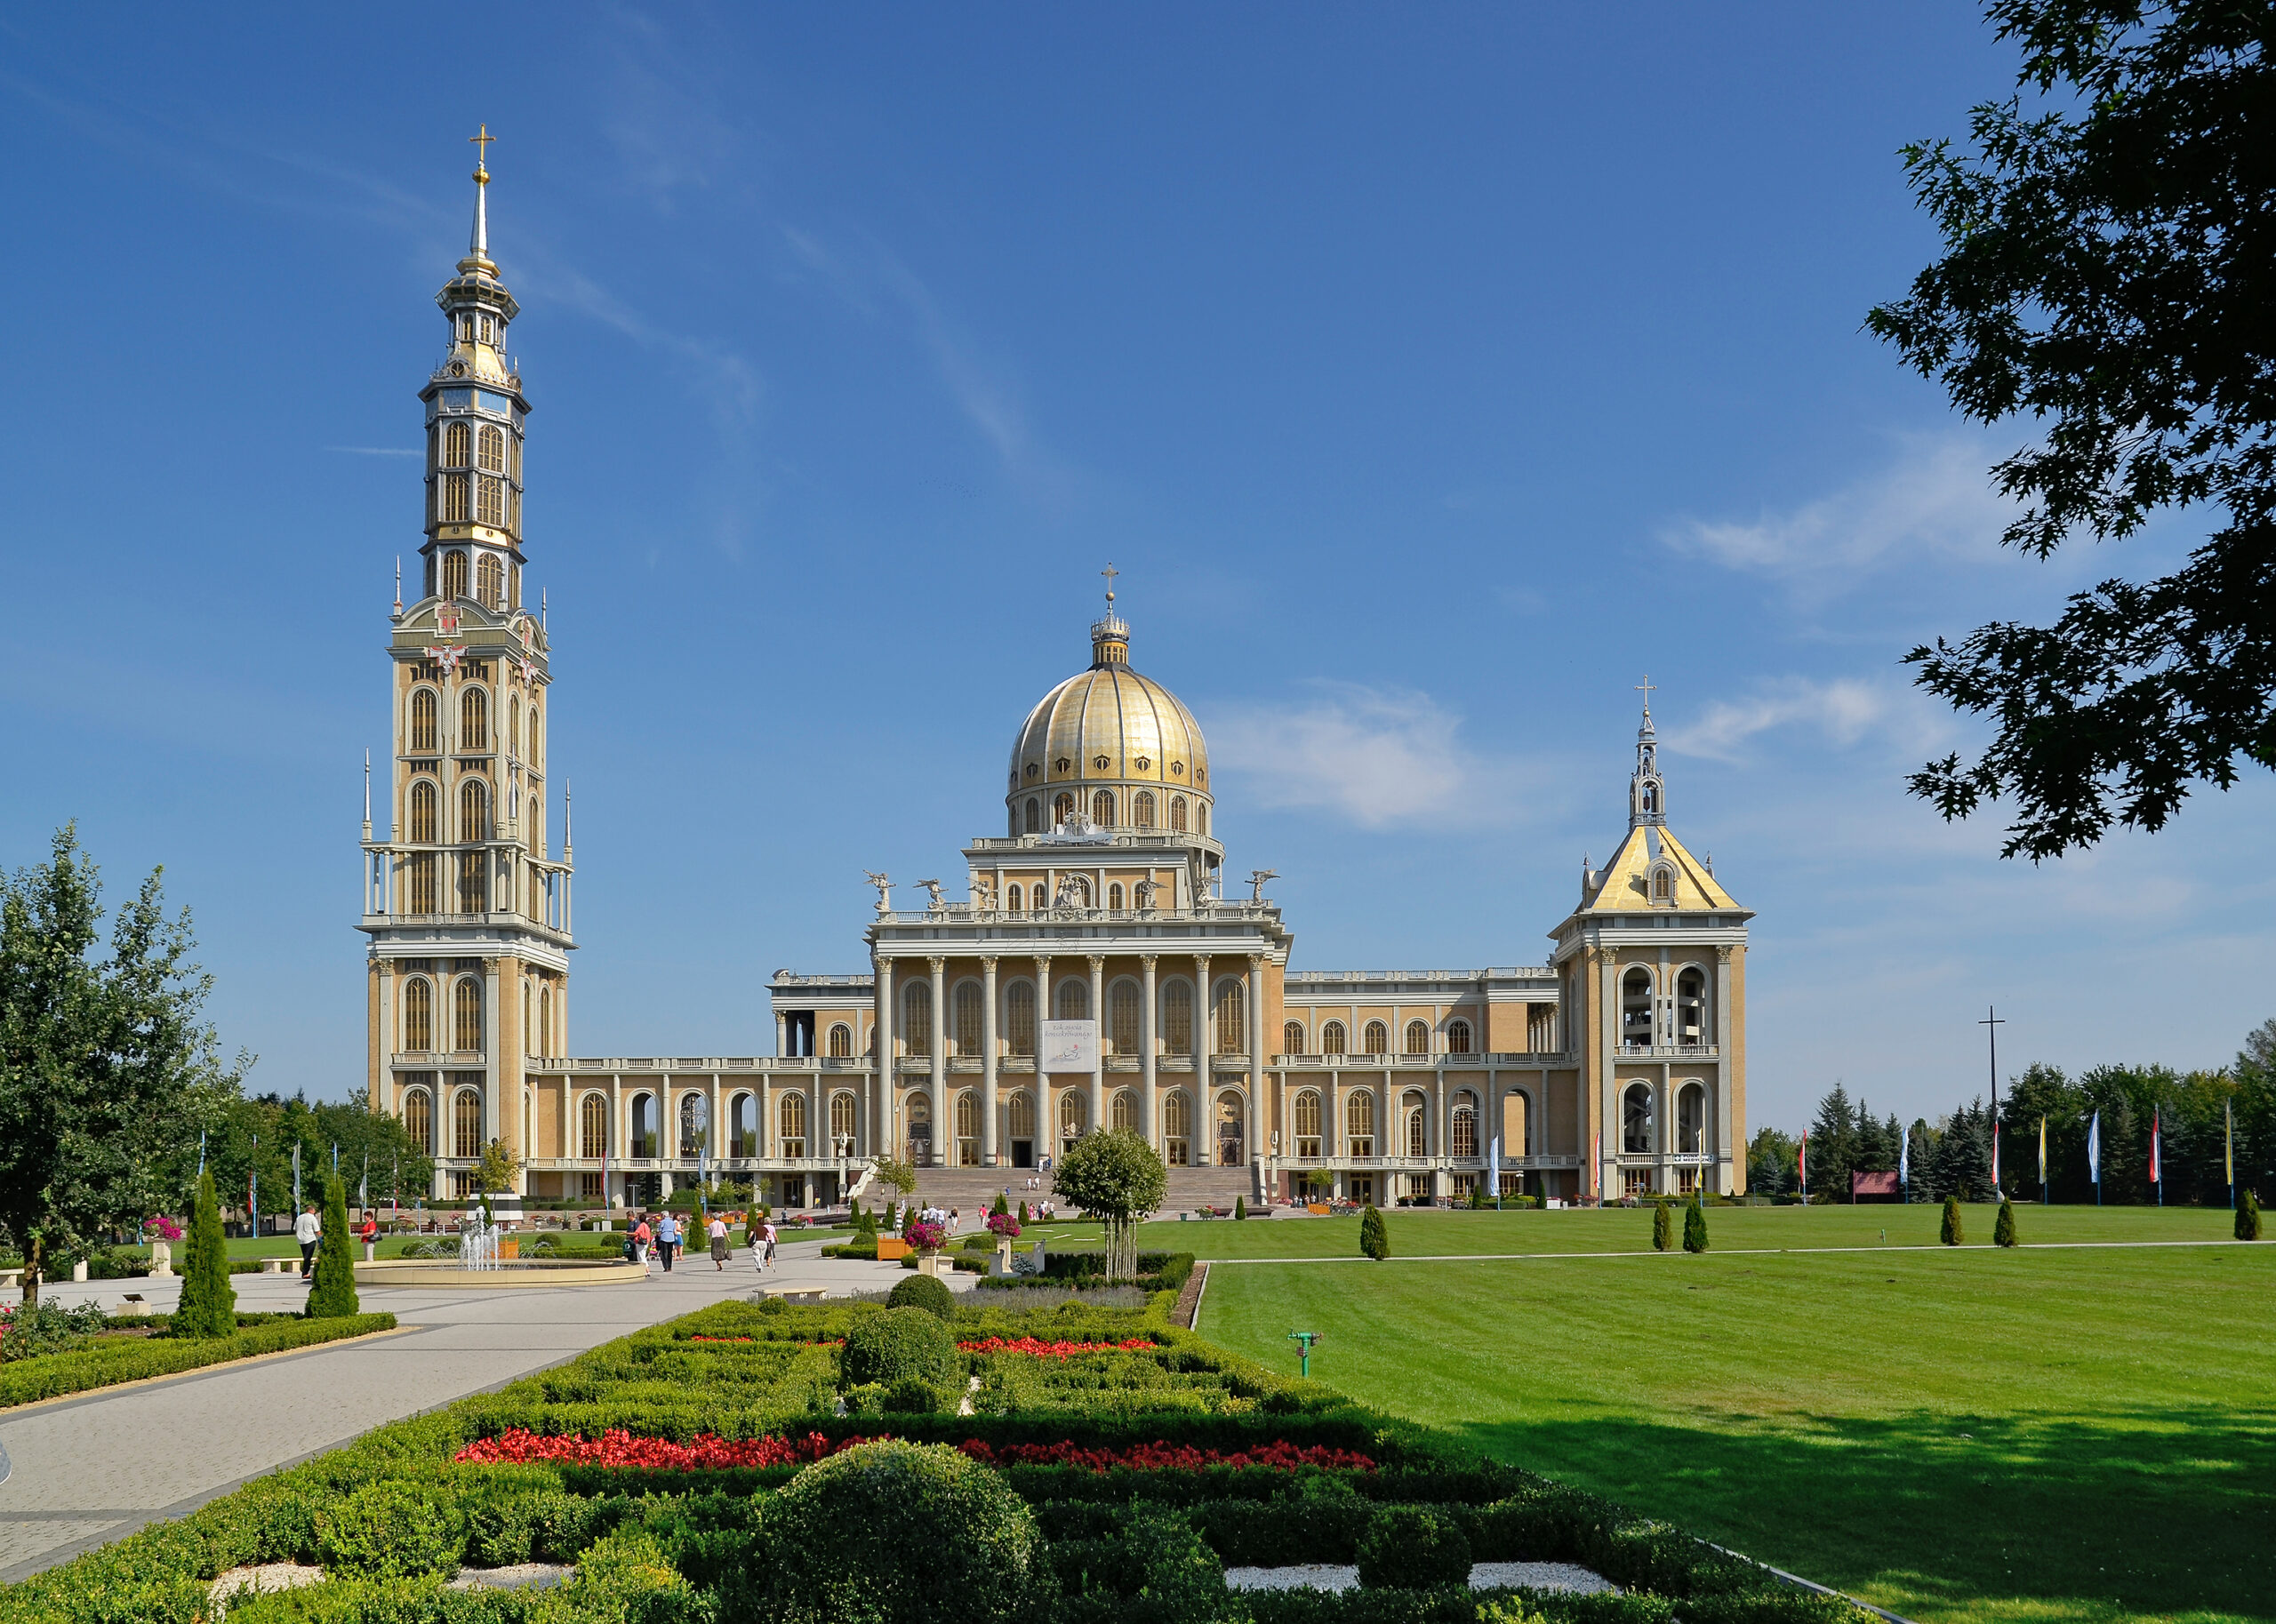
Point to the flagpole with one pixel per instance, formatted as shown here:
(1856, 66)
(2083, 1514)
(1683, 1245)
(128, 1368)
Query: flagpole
(1991, 1023)
(2229, 1150)
(2046, 1196)
(2157, 1157)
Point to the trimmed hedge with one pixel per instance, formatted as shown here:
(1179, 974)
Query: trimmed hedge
(23, 1381)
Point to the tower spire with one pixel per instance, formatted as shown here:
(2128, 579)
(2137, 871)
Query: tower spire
(1109, 633)
(1647, 791)
(477, 247)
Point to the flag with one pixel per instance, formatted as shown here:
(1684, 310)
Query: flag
(2093, 1148)
(201, 1153)
(1802, 1167)
(296, 1175)
(1995, 1156)
(2156, 1177)
(1493, 1166)
(1904, 1158)
(363, 1184)
(1595, 1160)
(2042, 1150)
(2228, 1142)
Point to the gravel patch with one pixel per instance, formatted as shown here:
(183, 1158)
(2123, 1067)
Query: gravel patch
(258, 1578)
(516, 1576)
(1483, 1576)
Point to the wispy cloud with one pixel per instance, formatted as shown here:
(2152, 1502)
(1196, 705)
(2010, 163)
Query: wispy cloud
(1842, 711)
(1376, 756)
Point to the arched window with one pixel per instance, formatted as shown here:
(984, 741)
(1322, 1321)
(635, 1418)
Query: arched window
(421, 868)
(1019, 1017)
(1691, 1008)
(1177, 1129)
(535, 754)
(474, 883)
(422, 810)
(466, 1124)
(1177, 814)
(417, 1015)
(1114, 896)
(1074, 1115)
(841, 1042)
(1142, 810)
(1517, 1125)
(1414, 1112)
(490, 575)
(473, 720)
(1124, 1110)
(1124, 1018)
(545, 1019)
(694, 1126)
(489, 500)
(843, 1116)
(466, 1016)
(474, 810)
(1177, 1018)
(1305, 1118)
(968, 1123)
(1034, 815)
(790, 1125)
(1376, 1039)
(917, 1114)
(1073, 998)
(422, 718)
(1013, 899)
(1020, 1116)
(1201, 818)
(1103, 808)
(1231, 1013)
(1636, 1008)
(1012, 815)
(1418, 1038)
(1360, 1122)
(1332, 1039)
(1063, 810)
(418, 1119)
(968, 1001)
(592, 1127)
(458, 442)
(1464, 1136)
(742, 1125)
(492, 445)
(917, 1017)
(454, 561)
(1691, 1119)
(1636, 1119)
(1230, 1137)
(1292, 1038)
(1458, 1040)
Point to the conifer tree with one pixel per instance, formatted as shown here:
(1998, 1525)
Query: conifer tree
(1951, 1233)
(1240, 1206)
(1374, 1239)
(1694, 1228)
(1662, 1227)
(2247, 1226)
(209, 1302)
(2003, 1230)
(332, 1296)
(1024, 1214)
(1003, 1207)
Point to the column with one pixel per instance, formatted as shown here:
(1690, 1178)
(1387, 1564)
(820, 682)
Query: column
(1204, 1024)
(1146, 1047)
(1047, 1117)
(1726, 1154)
(882, 1055)
(1607, 1111)
(782, 1030)
(942, 1125)
(1434, 1141)
(1256, 1055)
(987, 1060)
(1098, 1051)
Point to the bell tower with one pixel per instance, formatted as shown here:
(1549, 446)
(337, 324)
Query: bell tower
(466, 905)
(1647, 793)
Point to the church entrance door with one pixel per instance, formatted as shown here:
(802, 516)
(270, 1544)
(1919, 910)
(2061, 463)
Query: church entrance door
(1023, 1153)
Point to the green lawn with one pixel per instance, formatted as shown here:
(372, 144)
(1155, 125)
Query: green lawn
(2034, 1435)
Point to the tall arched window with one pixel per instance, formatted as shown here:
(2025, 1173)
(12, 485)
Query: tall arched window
(1636, 1119)
(645, 1144)
(466, 1124)
(790, 1125)
(1034, 815)
(545, 1019)
(1103, 808)
(1074, 1115)
(1414, 1112)
(917, 1017)
(968, 1001)
(841, 1042)
(1073, 997)
(422, 810)
(1142, 810)
(1062, 810)
(422, 872)
(1517, 1125)
(1232, 1013)
(1177, 814)
(843, 1118)
(1177, 1018)
(1464, 1136)
(1458, 1040)
(1126, 1017)
(1305, 1118)
(742, 1125)
(417, 1015)
(967, 1125)
(1177, 1129)
(1418, 1038)
(1231, 1121)
(1691, 1119)
(474, 883)
(592, 1127)
(1332, 1039)
(1377, 1038)
(418, 1119)
(1014, 898)
(466, 1016)
(457, 446)
(1636, 1008)
(474, 810)
(493, 451)
(1360, 1122)
(1019, 1017)
(1123, 1110)
(1691, 1008)
(489, 500)
(535, 753)
(1114, 896)
(490, 575)
(693, 1127)
(1201, 818)
(1292, 1038)
(1019, 1115)
(474, 719)
(422, 718)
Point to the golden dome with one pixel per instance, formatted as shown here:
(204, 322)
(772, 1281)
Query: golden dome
(1103, 729)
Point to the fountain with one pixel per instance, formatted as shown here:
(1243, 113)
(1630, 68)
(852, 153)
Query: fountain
(487, 1256)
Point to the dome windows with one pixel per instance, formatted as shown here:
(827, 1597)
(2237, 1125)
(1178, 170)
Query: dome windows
(1035, 816)
(1103, 807)
(1062, 810)
(1063, 765)
(1141, 807)
(1177, 814)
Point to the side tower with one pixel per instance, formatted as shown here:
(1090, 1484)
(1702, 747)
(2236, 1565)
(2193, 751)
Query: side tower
(1652, 973)
(467, 909)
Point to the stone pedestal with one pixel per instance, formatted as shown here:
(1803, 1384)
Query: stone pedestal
(79, 1271)
(162, 1260)
(936, 1265)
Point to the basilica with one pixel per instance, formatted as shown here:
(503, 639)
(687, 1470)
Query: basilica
(1099, 969)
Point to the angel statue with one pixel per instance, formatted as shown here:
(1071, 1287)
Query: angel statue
(932, 888)
(983, 893)
(1146, 888)
(885, 891)
(1257, 878)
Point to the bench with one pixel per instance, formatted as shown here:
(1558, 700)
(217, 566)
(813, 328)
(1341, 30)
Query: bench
(796, 1293)
(12, 1279)
(280, 1266)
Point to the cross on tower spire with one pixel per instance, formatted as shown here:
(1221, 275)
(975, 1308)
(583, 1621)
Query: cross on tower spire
(481, 144)
(1109, 573)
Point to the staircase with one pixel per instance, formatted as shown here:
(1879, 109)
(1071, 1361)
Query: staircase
(975, 1189)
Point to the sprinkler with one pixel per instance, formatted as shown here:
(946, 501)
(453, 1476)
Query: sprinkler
(1305, 1338)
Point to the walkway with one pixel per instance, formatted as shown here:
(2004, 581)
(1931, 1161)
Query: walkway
(96, 1466)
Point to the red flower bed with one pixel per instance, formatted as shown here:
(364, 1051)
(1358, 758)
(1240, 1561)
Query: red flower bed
(1169, 1457)
(1050, 1350)
(617, 1447)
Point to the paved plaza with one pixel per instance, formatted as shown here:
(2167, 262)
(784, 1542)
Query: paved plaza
(93, 1467)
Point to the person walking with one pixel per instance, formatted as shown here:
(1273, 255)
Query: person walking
(642, 1236)
(719, 1233)
(668, 1238)
(770, 1244)
(307, 1228)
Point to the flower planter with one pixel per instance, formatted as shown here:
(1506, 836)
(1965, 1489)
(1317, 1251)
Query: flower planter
(892, 1248)
(162, 1260)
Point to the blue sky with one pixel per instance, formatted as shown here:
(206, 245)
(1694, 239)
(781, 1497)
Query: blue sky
(1431, 372)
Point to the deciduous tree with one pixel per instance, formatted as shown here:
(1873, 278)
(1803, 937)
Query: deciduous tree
(1118, 1179)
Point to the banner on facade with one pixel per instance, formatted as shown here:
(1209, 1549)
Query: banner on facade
(1071, 1046)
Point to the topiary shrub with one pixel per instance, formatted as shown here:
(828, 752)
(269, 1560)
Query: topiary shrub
(893, 1533)
(1694, 1228)
(1412, 1547)
(1950, 1235)
(1374, 1238)
(1240, 1206)
(896, 1346)
(208, 1305)
(391, 1527)
(924, 1291)
(2247, 1225)
(2003, 1229)
(910, 1396)
(1024, 1213)
(333, 1295)
(774, 1305)
(1662, 1227)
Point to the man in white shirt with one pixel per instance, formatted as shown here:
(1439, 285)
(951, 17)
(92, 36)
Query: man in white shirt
(307, 1228)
